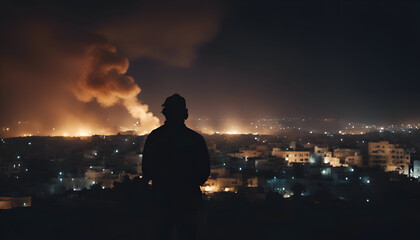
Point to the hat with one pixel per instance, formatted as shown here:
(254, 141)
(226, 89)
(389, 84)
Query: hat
(175, 101)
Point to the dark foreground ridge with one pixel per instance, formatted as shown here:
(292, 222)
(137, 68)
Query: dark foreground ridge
(126, 212)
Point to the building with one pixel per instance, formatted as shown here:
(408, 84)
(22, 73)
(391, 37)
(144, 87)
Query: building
(102, 175)
(291, 157)
(349, 157)
(319, 151)
(132, 162)
(319, 154)
(355, 160)
(388, 156)
(15, 202)
(333, 161)
(268, 164)
(416, 168)
(61, 184)
(246, 153)
(219, 172)
(222, 184)
(254, 182)
(10, 167)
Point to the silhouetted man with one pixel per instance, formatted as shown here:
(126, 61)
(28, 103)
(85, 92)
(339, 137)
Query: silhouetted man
(176, 159)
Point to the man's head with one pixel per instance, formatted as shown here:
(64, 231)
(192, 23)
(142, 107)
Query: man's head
(175, 109)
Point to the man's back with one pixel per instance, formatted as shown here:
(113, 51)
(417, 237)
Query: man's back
(176, 156)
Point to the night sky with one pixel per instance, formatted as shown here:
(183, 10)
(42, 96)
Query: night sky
(353, 60)
(344, 59)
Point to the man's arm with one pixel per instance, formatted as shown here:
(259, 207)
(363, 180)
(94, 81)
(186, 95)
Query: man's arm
(146, 164)
(203, 162)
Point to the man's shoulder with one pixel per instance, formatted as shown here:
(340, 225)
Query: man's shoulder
(156, 131)
(194, 133)
(162, 130)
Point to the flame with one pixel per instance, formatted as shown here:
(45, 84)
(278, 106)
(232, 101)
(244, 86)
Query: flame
(234, 132)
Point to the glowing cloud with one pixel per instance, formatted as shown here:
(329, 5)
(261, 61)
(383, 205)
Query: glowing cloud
(66, 78)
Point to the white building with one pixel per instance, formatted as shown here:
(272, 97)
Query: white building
(291, 157)
(334, 162)
(388, 156)
(349, 157)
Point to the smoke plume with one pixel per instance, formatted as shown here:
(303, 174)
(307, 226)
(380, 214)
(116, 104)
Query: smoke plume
(104, 79)
(172, 36)
(65, 78)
